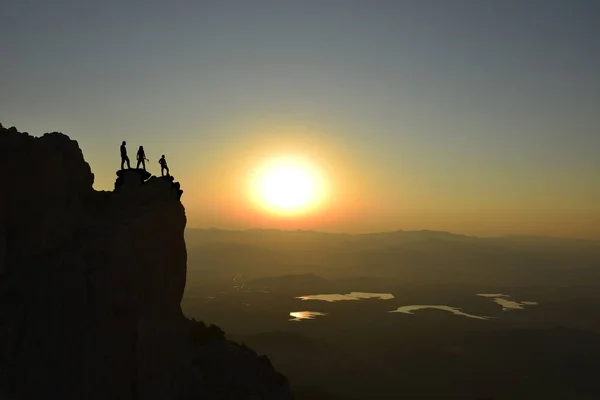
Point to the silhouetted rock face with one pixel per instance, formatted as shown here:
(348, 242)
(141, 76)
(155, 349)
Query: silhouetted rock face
(91, 284)
(131, 177)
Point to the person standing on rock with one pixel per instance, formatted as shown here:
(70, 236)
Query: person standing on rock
(163, 166)
(141, 158)
(124, 157)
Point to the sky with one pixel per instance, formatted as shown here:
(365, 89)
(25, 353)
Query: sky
(472, 116)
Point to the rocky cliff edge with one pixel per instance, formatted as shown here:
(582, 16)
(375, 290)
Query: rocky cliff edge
(91, 284)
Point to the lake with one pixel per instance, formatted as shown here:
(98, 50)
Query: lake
(346, 297)
(304, 315)
(506, 304)
(499, 298)
(453, 310)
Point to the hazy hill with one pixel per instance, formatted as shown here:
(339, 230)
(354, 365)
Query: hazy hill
(422, 256)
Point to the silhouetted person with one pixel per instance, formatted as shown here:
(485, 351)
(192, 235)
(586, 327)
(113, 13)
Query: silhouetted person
(141, 158)
(163, 166)
(124, 157)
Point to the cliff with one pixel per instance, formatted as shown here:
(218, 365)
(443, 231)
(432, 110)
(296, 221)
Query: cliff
(91, 284)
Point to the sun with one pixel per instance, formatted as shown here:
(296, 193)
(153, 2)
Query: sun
(287, 185)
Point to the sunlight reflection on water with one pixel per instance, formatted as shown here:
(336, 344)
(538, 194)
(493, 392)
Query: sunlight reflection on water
(508, 304)
(302, 315)
(350, 296)
(453, 310)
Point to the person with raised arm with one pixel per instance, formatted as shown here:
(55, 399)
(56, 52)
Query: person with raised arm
(141, 158)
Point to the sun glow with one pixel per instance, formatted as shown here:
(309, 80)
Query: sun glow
(287, 186)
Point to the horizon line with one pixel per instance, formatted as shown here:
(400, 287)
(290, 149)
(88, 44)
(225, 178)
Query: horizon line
(524, 236)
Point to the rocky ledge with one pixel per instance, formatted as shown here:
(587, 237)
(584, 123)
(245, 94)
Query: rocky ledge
(91, 284)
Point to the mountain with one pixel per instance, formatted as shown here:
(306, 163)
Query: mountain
(314, 363)
(415, 256)
(310, 239)
(91, 284)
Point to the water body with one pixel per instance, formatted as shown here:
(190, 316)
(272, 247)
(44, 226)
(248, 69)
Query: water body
(453, 310)
(302, 315)
(346, 297)
(507, 305)
(513, 305)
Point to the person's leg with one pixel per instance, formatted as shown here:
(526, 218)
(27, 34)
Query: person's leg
(128, 164)
(168, 171)
(122, 163)
(144, 164)
(162, 170)
(138, 164)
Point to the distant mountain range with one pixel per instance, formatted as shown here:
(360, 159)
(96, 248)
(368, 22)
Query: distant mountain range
(418, 255)
(425, 234)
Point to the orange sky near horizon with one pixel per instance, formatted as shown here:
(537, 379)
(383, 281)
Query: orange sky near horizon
(226, 201)
(362, 195)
